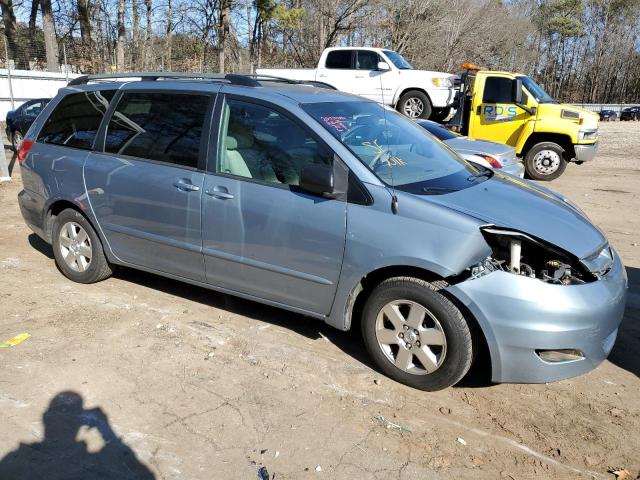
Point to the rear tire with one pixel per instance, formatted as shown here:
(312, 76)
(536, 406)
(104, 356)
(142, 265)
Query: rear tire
(545, 161)
(77, 248)
(415, 104)
(416, 335)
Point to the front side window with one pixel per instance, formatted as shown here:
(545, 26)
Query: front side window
(74, 122)
(397, 150)
(497, 90)
(398, 60)
(367, 60)
(260, 143)
(339, 59)
(158, 126)
(537, 91)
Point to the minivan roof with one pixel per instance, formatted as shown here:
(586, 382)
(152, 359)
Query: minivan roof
(300, 93)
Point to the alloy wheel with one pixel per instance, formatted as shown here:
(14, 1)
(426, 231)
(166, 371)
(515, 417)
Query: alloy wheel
(75, 246)
(413, 107)
(411, 337)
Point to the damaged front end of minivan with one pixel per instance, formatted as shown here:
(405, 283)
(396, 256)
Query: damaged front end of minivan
(546, 314)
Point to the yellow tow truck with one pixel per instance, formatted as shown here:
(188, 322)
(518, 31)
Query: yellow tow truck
(511, 108)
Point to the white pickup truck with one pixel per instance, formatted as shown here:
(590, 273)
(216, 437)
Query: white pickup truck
(381, 75)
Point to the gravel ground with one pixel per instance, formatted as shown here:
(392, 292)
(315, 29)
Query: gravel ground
(144, 377)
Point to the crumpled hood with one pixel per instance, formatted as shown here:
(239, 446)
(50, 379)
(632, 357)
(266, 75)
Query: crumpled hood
(513, 203)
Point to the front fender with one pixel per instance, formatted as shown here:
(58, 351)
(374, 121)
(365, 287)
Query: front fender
(421, 235)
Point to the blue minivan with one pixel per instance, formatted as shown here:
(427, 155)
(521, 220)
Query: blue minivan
(325, 204)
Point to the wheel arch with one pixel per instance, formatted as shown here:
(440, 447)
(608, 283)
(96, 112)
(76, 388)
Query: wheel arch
(484, 356)
(561, 139)
(54, 209)
(405, 90)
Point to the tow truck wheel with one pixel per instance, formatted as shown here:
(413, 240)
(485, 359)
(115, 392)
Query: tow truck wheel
(415, 104)
(545, 161)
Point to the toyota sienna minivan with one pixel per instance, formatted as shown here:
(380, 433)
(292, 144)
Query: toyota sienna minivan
(325, 204)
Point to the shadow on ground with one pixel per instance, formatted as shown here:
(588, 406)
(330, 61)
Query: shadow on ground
(623, 355)
(60, 456)
(625, 352)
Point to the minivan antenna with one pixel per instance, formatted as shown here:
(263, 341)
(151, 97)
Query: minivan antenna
(394, 198)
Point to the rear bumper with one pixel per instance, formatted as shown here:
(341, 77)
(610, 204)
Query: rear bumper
(31, 209)
(520, 316)
(516, 169)
(585, 153)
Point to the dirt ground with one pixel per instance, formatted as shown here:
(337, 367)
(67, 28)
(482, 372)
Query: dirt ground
(144, 377)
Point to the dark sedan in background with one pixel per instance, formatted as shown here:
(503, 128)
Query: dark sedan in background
(630, 113)
(20, 119)
(607, 115)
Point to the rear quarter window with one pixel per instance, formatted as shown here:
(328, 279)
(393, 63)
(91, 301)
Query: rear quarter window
(74, 122)
(158, 126)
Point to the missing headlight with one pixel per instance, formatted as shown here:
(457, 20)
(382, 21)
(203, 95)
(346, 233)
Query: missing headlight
(520, 254)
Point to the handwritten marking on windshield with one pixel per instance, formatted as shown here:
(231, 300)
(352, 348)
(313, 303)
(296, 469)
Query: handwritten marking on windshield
(337, 123)
(391, 160)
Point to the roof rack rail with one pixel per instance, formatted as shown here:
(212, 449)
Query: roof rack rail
(270, 78)
(232, 78)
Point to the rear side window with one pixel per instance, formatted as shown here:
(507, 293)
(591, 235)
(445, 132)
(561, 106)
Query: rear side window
(158, 126)
(497, 90)
(339, 59)
(74, 122)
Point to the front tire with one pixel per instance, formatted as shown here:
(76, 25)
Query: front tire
(545, 161)
(77, 248)
(415, 104)
(416, 335)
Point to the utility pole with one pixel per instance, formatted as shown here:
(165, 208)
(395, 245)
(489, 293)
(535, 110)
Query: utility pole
(4, 169)
(6, 53)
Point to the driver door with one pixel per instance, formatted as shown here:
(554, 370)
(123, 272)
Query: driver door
(495, 117)
(370, 81)
(262, 235)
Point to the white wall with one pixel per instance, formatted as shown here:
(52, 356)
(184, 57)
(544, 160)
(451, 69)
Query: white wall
(28, 84)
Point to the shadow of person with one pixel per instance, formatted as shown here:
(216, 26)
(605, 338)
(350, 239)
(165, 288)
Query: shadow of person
(60, 456)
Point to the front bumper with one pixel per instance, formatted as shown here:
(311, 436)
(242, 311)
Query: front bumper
(441, 97)
(585, 153)
(520, 315)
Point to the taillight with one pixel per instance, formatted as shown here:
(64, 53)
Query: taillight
(493, 161)
(23, 149)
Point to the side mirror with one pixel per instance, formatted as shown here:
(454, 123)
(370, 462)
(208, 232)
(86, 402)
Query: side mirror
(320, 180)
(516, 94)
(383, 67)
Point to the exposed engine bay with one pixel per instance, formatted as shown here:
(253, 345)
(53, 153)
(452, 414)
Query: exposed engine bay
(520, 254)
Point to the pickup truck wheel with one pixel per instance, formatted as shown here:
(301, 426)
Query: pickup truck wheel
(77, 248)
(16, 140)
(415, 335)
(415, 104)
(545, 161)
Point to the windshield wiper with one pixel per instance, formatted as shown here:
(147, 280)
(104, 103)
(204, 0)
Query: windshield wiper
(438, 190)
(484, 174)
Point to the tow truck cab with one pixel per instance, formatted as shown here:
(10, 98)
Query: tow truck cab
(511, 108)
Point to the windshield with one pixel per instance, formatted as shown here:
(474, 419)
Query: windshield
(398, 60)
(437, 130)
(537, 91)
(396, 149)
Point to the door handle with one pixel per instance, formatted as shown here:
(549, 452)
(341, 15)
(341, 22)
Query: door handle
(219, 192)
(185, 186)
(359, 76)
(322, 75)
